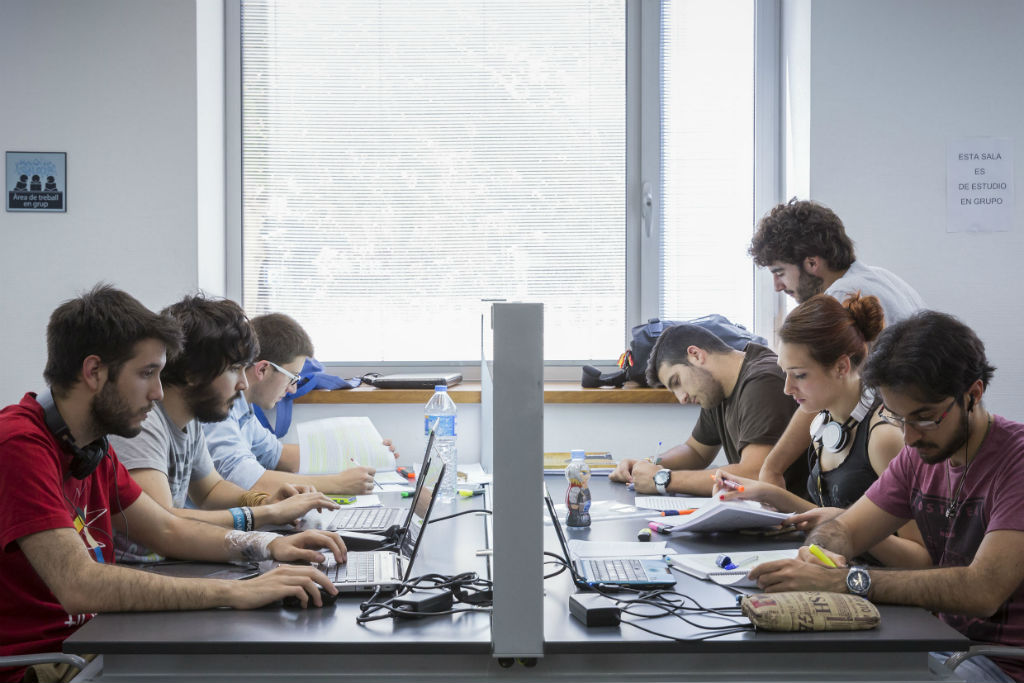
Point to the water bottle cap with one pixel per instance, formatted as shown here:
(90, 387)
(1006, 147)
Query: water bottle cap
(578, 454)
(441, 387)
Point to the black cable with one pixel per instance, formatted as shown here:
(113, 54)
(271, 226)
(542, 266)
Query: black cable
(467, 589)
(457, 514)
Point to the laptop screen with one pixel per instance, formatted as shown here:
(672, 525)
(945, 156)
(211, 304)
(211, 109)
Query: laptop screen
(422, 504)
(421, 476)
(561, 536)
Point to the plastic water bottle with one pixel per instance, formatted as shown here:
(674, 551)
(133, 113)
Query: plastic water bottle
(441, 409)
(577, 496)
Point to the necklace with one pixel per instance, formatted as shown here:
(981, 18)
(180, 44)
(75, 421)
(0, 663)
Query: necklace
(953, 507)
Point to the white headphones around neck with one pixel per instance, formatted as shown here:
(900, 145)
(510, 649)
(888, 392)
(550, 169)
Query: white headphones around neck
(834, 436)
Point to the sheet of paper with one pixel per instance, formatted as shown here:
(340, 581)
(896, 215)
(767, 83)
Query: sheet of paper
(338, 443)
(369, 501)
(601, 510)
(475, 474)
(583, 549)
(669, 502)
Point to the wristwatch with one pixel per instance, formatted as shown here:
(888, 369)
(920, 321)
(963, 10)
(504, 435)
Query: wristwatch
(858, 581)
(661, 479)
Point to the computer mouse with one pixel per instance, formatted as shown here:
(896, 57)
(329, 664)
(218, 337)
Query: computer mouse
(325, 597)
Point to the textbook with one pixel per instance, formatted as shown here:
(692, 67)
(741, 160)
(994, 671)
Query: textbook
(601, 462)
(705, 565)
(338, 443)
(729, 515)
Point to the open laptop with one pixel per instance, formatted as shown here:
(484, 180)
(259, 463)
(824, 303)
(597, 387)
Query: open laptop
(610, 571)
(373, 520)
(386, 570)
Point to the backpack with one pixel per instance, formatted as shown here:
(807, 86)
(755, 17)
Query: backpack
(633, 360)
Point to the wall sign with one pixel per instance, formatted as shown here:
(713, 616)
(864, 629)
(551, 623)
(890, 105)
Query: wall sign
(979, 185)
(36, 181)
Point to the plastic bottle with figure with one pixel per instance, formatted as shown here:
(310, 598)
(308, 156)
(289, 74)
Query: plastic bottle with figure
(577, 497)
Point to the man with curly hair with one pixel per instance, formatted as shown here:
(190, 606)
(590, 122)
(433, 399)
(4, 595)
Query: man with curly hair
(806, 248)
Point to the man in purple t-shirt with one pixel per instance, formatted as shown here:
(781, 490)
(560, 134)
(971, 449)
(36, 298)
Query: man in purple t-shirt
(960, 477)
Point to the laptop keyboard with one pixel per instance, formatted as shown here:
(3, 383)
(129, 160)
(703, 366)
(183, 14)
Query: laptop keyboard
(358, 567)
(615, 570)
(362, 518)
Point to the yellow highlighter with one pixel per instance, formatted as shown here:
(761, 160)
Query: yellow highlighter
(825, 559)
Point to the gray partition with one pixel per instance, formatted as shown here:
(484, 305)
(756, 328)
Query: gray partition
(517, 623)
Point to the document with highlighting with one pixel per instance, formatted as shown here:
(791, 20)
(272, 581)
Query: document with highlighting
(338, 443)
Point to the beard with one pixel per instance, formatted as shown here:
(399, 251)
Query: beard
(112, 415)
(206, 404)
(943, 453)
(807, 285)
(709, 390)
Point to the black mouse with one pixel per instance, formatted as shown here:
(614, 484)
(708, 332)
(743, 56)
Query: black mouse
(325, 597)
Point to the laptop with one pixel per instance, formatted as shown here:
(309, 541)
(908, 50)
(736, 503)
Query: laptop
(421, 380)
(185, 569)
(610, 571)
(373, 520)
(386, 570)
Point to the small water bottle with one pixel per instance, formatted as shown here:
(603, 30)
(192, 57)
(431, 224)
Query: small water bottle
(441, 409)
(577, 496)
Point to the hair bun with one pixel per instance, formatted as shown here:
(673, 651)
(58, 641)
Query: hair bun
(867, 315)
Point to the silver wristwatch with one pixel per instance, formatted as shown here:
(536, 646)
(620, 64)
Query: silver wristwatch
(661, 479)
(858, 581)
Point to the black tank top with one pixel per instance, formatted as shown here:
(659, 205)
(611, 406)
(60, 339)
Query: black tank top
(843, 485)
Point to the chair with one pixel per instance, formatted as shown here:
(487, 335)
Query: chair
(87, 670)
(959, 658)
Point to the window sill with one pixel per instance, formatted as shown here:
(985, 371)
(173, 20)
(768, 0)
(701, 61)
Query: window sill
(469, 392)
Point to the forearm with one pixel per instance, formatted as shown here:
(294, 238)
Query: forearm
(289, 461)
(189, 539)
(901, 553)
(272, 480)
(112, 588)
(939, 590)
(682, 457)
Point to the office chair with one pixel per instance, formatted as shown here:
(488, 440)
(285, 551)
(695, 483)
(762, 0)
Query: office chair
(959, 658)
(87, 670)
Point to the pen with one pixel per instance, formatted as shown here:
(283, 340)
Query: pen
(825, 559)
(729, 484)
(725, 562)
(469, 493)
(657, 455)
(353, 461)
(671, 513)
(407, 494)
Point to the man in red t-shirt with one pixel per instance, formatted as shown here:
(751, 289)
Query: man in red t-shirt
(960, 477)
(63, 491)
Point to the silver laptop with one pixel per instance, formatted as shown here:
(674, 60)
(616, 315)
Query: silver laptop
(386, 570)
(373, 520)
(610, 571)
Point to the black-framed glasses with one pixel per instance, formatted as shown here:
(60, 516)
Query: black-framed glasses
(293, 379)
(918, 425)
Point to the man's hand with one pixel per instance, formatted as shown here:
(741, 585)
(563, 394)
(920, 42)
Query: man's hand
(299, 581)
(288, 490)
(306, 546)
(797, 575)
(806, 521)
(643, 477)
(355, 481)
(623, 472)
(289, 510)
(806, 555)
(391, 447)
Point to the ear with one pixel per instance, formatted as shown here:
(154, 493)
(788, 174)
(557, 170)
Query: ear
(842, 367)
(814, 265)
(696, 355)
(974, 394)
(94, 373)
(259, 371)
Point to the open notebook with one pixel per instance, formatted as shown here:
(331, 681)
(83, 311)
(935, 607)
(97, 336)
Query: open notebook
(706, 565)
(335, 444)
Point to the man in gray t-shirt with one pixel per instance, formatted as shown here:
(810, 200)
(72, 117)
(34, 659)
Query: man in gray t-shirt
(169, 458)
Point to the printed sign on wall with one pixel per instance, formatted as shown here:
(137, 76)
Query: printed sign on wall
(979, 185)
(36, 181)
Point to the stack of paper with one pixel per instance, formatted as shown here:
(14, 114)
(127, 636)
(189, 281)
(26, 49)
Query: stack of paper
(729, 515)
(601, 462)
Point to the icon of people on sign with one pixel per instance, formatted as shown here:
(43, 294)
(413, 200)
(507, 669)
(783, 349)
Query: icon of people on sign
(51, 184)
(35, 185)
(22, 184)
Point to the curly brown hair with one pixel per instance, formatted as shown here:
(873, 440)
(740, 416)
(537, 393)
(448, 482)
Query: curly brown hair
(797, 230)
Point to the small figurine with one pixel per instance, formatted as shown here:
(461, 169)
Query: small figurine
(577, 497)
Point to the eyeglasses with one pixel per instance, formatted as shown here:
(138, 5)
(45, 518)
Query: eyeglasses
(918, 425)
(293, 379)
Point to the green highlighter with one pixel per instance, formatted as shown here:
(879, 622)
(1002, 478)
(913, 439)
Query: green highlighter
(342, 501)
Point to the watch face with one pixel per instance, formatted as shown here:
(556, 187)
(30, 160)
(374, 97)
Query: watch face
(661, 477)
(858, 581)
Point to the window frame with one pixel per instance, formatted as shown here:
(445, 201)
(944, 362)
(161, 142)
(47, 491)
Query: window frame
(642, 173)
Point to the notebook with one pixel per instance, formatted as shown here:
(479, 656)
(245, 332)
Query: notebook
(610, 571)
(385, 570)
(728, 515)
(708, 566)
(369, 519)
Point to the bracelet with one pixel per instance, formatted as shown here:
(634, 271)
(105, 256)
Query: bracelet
(239, 517)
(254, 498)
(247, 511)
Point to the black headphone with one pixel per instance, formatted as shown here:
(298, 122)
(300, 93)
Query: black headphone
(833, 436)
(84, 460)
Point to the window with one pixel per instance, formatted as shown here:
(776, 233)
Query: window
(400, 162)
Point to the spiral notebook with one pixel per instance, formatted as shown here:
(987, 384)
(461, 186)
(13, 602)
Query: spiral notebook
(706, 565)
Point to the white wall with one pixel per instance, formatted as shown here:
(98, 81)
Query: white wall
(890, 83)
(113, 83)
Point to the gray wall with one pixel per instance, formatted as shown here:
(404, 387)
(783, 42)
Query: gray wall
(891, 81)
